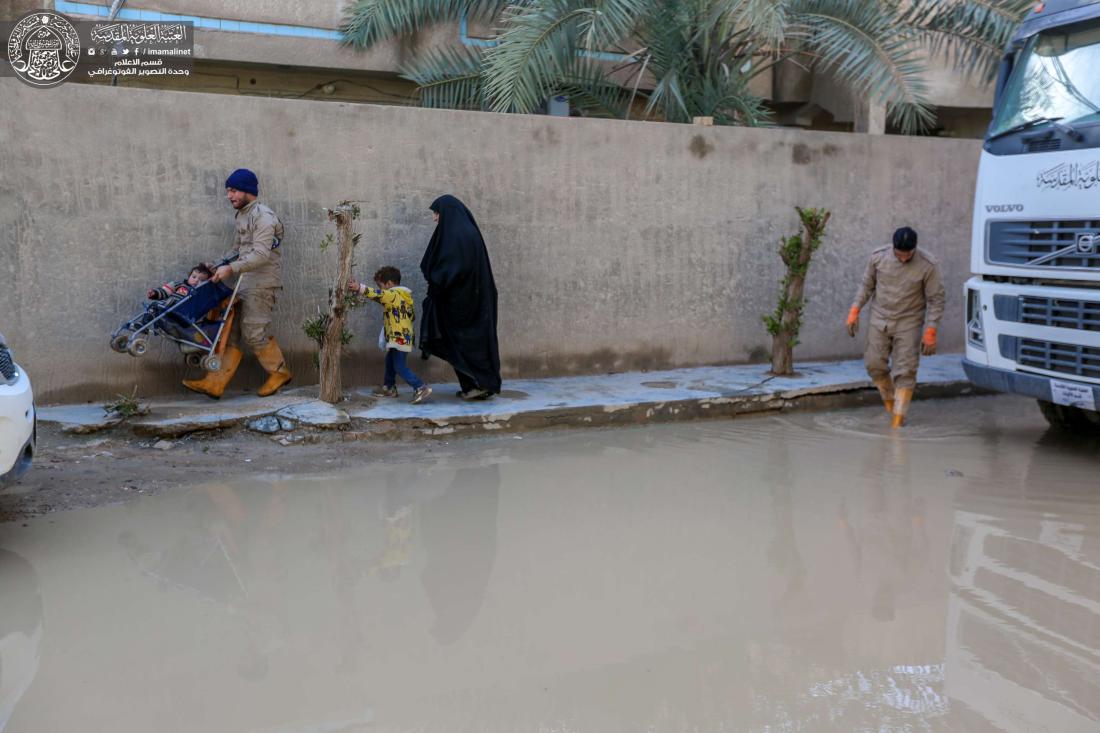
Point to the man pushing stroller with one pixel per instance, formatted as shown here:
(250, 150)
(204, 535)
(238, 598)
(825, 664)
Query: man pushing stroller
(259, 267)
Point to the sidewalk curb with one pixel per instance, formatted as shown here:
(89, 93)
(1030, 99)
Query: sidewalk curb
(597, 401)
(640, 414)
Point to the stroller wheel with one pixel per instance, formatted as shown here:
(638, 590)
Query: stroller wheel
(138, 347)
(119, 343)
(211, 363)
(194, 361)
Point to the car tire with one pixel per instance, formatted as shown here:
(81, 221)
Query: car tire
(1070, 419)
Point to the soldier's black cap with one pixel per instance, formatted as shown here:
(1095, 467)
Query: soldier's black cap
(905, 239)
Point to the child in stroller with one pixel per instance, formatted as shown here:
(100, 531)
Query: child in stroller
(199, 274)
(195, 314)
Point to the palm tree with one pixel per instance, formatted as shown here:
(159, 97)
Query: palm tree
(687, 58)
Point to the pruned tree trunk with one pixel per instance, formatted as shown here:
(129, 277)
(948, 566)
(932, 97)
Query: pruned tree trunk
(786, 323)
(331, 387)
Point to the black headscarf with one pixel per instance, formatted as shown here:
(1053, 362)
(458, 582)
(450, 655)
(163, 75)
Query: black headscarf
(459, 321)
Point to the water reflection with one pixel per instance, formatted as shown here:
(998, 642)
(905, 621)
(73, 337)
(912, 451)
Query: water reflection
(21, 623)
(460, 540)
(1024, 612)
(760, 575)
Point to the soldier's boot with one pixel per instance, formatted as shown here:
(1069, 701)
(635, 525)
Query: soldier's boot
(271, 359)
(902, 397)
(214, 383)
(885, 387)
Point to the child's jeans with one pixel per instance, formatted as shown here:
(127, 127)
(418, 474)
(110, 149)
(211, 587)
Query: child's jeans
(396, 364)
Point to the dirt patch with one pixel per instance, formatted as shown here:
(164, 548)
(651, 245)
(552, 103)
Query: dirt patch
(79, 472)
(801, 155)
(700, 147)
(660, 385)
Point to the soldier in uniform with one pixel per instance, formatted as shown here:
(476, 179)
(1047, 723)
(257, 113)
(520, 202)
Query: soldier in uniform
(258, 233)
(905, 289)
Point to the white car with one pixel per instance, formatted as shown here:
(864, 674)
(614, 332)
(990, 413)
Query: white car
(18, 430)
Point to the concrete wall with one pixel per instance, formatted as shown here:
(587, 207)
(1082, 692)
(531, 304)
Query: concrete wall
(616, 245)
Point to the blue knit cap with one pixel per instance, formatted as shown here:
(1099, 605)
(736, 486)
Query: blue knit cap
(245, 180)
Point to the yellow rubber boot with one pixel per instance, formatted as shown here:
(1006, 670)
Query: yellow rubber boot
(902, 397)
(271, 359)
(214, 383)
(885, 387)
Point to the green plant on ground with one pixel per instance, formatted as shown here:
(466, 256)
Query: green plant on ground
(796, 251)
(679, 59)
(125, 406)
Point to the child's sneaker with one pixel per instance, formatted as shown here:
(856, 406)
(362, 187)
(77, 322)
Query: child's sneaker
(423, 393)
(385, 391)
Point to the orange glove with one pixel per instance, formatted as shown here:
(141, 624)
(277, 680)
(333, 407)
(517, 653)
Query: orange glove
(853, 321)
(928, 343)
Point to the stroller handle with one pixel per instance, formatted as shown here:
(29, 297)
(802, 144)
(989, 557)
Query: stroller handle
(234, 257)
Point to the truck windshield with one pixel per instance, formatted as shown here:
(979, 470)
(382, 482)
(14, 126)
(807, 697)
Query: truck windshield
(1056, 77)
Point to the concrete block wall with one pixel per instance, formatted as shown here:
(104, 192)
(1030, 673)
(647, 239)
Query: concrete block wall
(616, 245)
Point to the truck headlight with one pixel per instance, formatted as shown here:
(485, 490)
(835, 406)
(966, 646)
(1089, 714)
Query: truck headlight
(975, 333)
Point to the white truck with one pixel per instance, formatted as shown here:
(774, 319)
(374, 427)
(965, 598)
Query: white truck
(1033, 304)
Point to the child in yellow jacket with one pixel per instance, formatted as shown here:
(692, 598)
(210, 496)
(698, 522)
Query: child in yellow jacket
(397, 321)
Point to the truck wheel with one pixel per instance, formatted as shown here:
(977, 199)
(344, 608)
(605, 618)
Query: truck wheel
(1070, 419)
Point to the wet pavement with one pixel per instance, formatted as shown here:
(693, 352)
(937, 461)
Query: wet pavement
(804, 572)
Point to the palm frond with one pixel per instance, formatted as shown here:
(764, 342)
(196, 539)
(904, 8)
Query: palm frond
(589, 90)
(972, 34)
(865, 47)
(535, 50)
(448, 78)
(367, 22)
(767, 20)
(609, 22)
(667, 36)
(702, 59)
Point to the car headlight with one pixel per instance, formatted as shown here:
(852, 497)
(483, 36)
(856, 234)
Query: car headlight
(8, 372)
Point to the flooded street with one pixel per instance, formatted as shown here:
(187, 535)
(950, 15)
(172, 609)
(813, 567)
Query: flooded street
(804, 572)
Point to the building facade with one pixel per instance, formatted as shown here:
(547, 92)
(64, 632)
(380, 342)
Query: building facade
(283, 48)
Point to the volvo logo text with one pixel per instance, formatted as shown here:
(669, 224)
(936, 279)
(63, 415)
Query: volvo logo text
(1003, 208)
(1087, 243)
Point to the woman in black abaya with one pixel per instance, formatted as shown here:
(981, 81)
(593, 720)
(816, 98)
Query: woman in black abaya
(459, 319)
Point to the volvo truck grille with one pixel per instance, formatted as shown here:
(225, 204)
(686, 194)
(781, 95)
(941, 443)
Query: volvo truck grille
(1050, 356)
(1081, 315)
(1045, 244)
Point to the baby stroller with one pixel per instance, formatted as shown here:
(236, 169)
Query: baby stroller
(199, 323)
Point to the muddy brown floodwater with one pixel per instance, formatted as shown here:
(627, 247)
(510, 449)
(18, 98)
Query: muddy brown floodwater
(808, 572)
